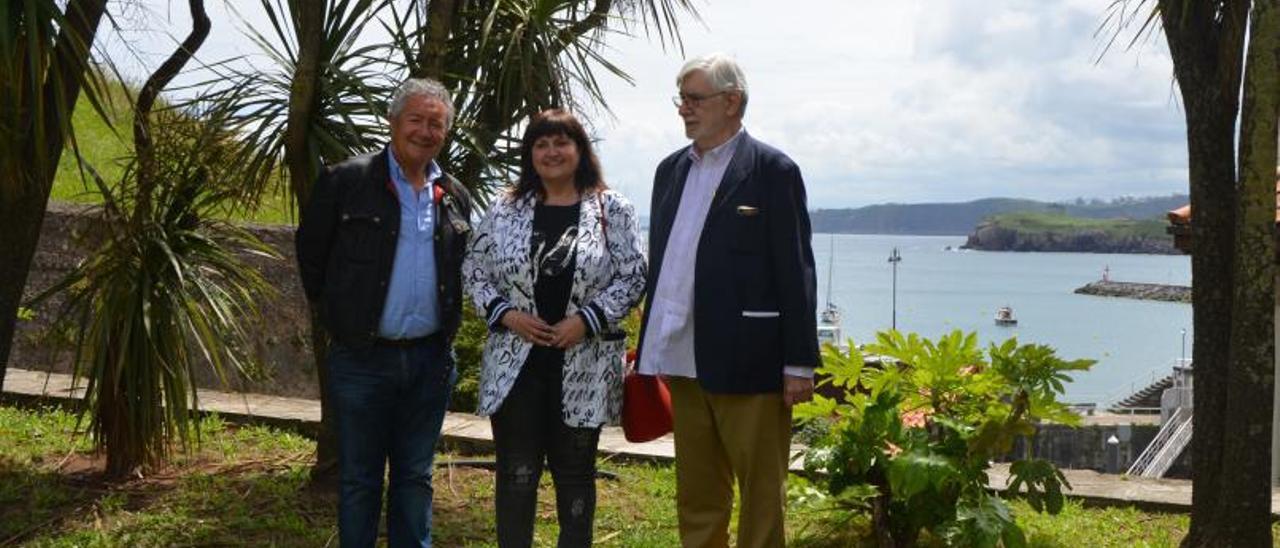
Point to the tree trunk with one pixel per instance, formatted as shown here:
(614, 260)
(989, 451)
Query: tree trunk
(303, 169)
(1207, 48)
(1213, 218)
(143, 145)
(20, 220)
(435, 48)
(22, 213)
(1244, 506)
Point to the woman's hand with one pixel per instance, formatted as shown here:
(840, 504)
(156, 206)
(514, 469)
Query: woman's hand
(529, 327)
(568, 332)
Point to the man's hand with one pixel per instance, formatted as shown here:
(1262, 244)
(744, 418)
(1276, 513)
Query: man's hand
(529, 327)
(568, 332)
(796, 390)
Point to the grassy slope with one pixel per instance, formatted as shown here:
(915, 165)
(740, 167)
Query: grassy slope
(246, 486)
(104, 146)
(1063, 224)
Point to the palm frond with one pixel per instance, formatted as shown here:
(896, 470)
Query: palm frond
(352, 90)
(44, 66)
(511, 58)
(159, 298)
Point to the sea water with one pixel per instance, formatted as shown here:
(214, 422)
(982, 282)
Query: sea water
(941, 288)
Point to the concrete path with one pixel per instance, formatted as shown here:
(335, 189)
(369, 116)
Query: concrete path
(467, 429)
(304, 414)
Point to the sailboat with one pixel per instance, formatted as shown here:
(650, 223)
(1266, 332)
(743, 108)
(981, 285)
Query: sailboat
(829, 328)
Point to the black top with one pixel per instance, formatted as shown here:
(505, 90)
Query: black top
(555, 229)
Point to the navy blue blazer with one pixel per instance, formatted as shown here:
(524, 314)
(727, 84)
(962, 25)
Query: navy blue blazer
(755, 299)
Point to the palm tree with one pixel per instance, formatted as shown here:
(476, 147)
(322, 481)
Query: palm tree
(164, 291)
(165, 288)
(507, 59)
(1233, 214)
(44, 69)
(322, 99)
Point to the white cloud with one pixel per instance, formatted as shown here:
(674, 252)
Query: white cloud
(908, 101)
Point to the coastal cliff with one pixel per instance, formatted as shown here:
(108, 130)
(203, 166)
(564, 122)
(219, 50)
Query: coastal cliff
(1040, 232)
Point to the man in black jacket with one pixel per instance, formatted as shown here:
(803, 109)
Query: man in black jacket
(380, 251)
(730, 310)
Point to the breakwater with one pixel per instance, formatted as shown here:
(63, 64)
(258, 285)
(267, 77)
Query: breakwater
(1134, 290)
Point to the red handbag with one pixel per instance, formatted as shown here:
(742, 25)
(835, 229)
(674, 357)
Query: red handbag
(646, 405)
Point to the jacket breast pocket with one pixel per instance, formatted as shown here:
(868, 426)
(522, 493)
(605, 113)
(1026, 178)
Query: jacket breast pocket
(359, 236)
(748, 226)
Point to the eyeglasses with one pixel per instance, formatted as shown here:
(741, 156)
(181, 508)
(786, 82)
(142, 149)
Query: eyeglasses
(692, 100)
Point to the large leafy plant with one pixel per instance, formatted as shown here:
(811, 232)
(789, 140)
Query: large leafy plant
(165, 290)
(909, 429)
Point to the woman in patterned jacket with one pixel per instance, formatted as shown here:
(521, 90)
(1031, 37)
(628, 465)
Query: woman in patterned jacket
(555, 266)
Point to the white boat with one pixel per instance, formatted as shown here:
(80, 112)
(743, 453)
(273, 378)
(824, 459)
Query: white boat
(1004, 316)
(829, 328)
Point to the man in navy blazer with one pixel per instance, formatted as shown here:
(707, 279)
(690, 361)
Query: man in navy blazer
(730, 314)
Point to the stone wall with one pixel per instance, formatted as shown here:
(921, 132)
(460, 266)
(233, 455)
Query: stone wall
(1086, 447)
(285, 365)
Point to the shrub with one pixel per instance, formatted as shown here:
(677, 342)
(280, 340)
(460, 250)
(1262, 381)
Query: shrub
(909, 441)
(468, 347)
(164, 292)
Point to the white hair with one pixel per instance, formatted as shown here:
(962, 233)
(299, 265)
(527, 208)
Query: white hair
(421, 87)
(721, 70)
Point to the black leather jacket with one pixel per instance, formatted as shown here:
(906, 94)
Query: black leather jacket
(346, 244)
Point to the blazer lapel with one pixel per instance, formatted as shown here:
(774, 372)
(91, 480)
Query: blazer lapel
(664, 212)
(734, 175)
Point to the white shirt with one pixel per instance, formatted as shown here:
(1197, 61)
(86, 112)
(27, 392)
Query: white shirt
(668, 341)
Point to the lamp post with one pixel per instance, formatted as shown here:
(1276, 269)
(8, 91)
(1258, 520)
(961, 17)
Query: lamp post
(1182, 360)
(894, 259)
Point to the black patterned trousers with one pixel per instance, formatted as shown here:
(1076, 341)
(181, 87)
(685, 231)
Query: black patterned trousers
(528, 430)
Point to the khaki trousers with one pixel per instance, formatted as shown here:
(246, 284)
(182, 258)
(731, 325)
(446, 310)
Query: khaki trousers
(720, 437)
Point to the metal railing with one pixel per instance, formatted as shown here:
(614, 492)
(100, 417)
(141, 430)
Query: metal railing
(1140, 382)
(1163, 451)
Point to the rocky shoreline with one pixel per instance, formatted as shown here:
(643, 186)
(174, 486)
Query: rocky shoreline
(1134, 290)
(989, 236)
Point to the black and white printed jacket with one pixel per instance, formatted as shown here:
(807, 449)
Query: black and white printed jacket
(607, 284)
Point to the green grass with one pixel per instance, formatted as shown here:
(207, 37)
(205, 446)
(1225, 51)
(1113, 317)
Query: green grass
(1056, 223)
(247, 486)
(105, 146)
(102, 145)
(1078, 526)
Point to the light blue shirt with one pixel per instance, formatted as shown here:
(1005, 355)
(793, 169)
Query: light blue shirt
(413, 306)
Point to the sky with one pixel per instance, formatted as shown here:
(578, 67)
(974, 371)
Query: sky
(907, 101)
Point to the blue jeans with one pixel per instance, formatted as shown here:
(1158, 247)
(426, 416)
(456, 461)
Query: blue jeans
(390, 403)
